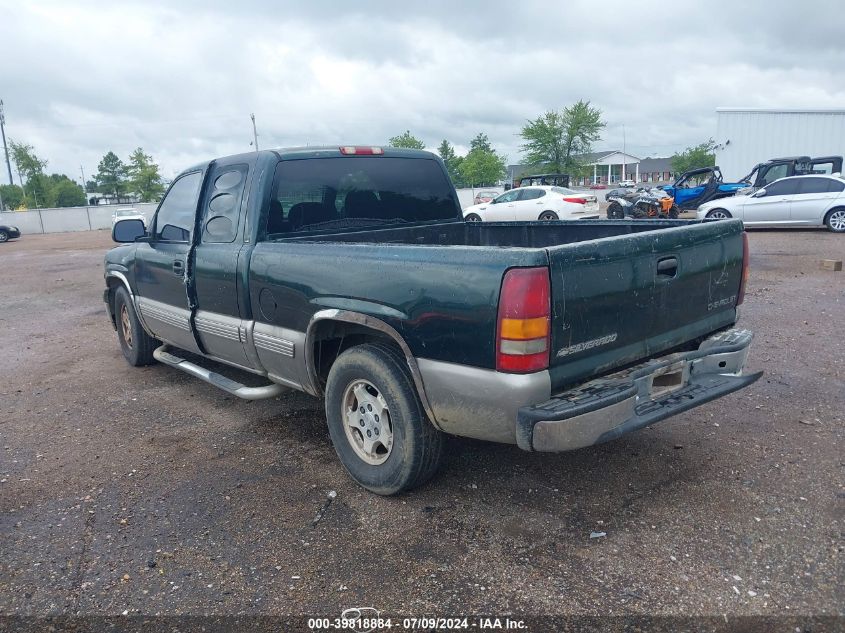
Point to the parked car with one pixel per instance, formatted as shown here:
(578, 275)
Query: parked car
(617, 193)
(535, 203)
(9, 233)
(348, 273)
(789, 202)
(127, 214)
(484, 196)
(598, 185)
(627, 183)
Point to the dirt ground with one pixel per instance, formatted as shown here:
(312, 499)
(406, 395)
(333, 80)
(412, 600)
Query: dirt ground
(146, 491)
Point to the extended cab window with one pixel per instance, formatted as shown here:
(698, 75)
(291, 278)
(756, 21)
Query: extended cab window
(175, 217)
(223, 203)
(355, 191)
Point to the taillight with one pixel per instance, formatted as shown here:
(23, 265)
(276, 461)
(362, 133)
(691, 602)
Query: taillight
(740, 296)
(576, 200)
(522, 330)
(357, 150)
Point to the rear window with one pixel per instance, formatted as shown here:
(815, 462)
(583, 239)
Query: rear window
(358, 191)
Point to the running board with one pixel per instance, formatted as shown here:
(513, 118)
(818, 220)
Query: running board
(221, 382)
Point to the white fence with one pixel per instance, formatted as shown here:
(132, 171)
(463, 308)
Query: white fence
(70, 218)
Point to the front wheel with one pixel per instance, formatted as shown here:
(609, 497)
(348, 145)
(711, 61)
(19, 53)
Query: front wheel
(718, 214)
(548, 216)
(472, 217)
(376, 421)
(615, 211)
(136, 344)
(4, 237)
(835, 220)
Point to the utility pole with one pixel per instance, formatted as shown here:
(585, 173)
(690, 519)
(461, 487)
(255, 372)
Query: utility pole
(5, 148)
(84, 186)
(624, 149)
(254, 132)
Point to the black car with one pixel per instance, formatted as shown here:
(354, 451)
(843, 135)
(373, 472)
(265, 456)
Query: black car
(9, 233)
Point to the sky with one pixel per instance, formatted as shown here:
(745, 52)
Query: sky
(180, 79)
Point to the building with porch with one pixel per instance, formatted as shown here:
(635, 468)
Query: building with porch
(609, 167)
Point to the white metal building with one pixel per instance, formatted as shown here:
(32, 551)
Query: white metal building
(747, 136)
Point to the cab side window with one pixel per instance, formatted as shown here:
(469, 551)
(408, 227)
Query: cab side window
(223, 203)
(176, 213)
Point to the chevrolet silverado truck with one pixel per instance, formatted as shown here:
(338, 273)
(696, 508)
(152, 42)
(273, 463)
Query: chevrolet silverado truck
(348, 273)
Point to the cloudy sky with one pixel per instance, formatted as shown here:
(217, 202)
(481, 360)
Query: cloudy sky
(180, 79)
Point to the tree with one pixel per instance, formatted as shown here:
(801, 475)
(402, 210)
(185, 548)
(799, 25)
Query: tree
(480, 142)
(28, 165)
(406, 140)
(12, 197)
(144, 178)
(111, 175)
(64, 192)
(482, 167)
(555, 139)
(701, 155)
(452, 161)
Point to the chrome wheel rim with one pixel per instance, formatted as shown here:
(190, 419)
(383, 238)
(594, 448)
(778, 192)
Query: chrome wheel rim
(837, 220)
(547, 217)
(126, 325)
(366, 421)
(718, 215)
(3, 236)
(473, 218)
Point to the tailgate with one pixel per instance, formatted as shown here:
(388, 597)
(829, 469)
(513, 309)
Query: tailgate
(624, 299)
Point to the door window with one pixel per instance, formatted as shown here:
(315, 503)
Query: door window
(813, 185)
(508, 196)
(835, 186)
(223, 205)
(176, 213)
(775, 172)
(785, 187)
(531, 194)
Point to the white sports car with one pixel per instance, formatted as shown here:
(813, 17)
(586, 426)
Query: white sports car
(796, 201)
(535, 203)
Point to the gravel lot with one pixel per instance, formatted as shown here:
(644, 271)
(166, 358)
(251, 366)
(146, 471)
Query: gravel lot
(147, 491)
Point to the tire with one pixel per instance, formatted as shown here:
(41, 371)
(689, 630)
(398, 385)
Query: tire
(615, 211)
(674, 212)
(375, 377)
(718, 214)
(4, 237)
(472, 217)
(548, 216)
(136, 344)
(835, 220)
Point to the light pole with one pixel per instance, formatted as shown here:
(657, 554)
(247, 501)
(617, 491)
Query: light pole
(254, 132)
(5, 147)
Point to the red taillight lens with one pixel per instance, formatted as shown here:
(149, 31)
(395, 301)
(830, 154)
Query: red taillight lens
(357, 150)
(524, 323)
(740, 296)
(576, 200)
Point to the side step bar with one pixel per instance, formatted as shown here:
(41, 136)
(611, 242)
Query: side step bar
(221, 382)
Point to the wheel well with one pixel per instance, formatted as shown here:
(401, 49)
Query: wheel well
(827, 215)
(112, 283)
(725, 211)
(554, 213)
(328, 339)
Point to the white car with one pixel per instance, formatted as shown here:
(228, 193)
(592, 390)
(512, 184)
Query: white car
(535, 203)
(127, 214)
(627, 183)
(796, 201)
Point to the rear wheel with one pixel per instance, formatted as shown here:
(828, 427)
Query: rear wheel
(136, 344)
(835, 220)
(4, 237)
(674, 212)
(548, 216)
(472, 217)
(615, 211)
(376, 421)
(718, 214)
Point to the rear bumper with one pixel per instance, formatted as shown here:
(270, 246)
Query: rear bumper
(609, 407)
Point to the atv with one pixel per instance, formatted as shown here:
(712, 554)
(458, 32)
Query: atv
(642, 203)
(697, 186)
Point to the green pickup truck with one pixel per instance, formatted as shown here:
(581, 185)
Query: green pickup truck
(348, 273)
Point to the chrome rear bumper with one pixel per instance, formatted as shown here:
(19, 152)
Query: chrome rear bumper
(611, 406)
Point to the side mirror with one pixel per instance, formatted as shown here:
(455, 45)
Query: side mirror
(128, 230)
(760, 193)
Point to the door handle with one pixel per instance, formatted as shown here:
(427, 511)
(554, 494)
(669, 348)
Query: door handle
(667, 267)
(178, 267)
